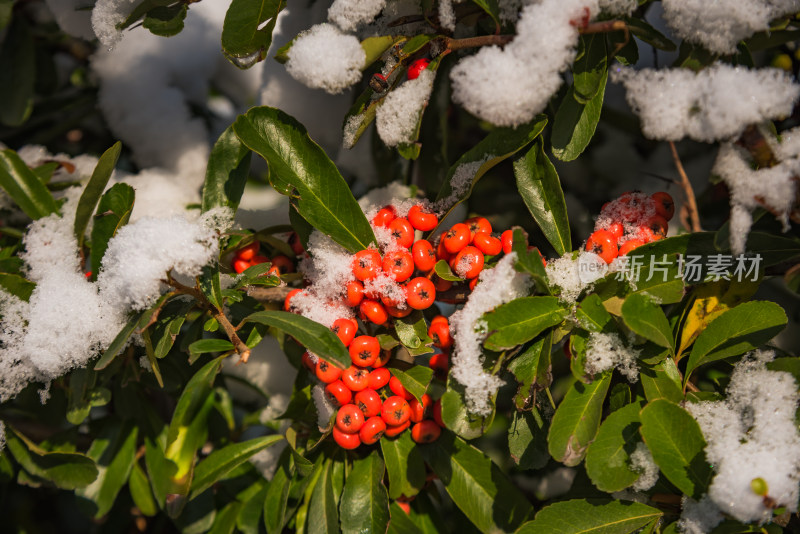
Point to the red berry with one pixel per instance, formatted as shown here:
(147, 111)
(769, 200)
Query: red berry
(369, 402)
(399, 265)
(384, 216)
(472, 283)
(372, 431)
(395, 311)
(346, 330)
(379, 378)
(665, 206)
(456, 238)
(364, 350)
(248, 252)
(478, 224)
(437, 413)
(440, 284)
(374, 311)
(506, 239)
(440, 362)
(629, 245)
(287, 303)
(326, 372)
(658, 225)
(441, 252)
(240, 266)
(395, 411)
(294, 242)
(346, 441)
(419, 408)
(308, 363)
(355, 293)
(487, 244)
(468, 262)
(422, 220)
(416, 68)
(367, 264)
(402, 232)
(383, 358)
(426, 431)
(283, 263)
(355, 378)
(420, 293)
(404, 506)
(424, 255)
(440, 334)
(604, 244)
(349, 419)
(616, 229)
(338, 393)
(440, 319)
(392, 431)
(397, 388)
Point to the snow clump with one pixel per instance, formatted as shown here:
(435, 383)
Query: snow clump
(642, 462)
(350, 14)
(574, 274)
(396, 118)
(606, 351)
(325, 58)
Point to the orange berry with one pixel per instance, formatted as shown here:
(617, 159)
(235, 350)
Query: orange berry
(487, 244)
(372, 431)
(402, 232)
(420, 293)
(248, 252)
(379, 378)
(440, 334)
(349, 419)
(346, 330)
(629, 245)
(369, 402)
(374, 311)
(355, 378)
(364, 350)
(384, 216)
(419, 408)
(478, 224)
(658, 225)
(416, 68)
(665, 206)
(399, 265)
(468, 262)
(422, 220)
(393, 431)
(367, 264)
(395, 411)
(338, 394)
(426, 431)
(240, 266)
(345, 440)
(424, 255)
(283, 263)
(602, 243)
(398, 389)
(326, 372)
(287, 305)
(355, 293)
(456, 238)
(437, 413)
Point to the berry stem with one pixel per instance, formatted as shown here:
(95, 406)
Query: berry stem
(691, 202)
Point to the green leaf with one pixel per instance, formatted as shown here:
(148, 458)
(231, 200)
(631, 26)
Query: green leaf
(491, 8)
(644, 31)
(608, 456)
(295, 161)
(575, 123)
(404, 465)
(527, 440)
(458, 418)
(647, 319)
(589, 71)
(119, 342)
(521, 320)
(676, 443)
(114, 451)
(591, 516)
(323, 517)
(529, 261)
(142, 495)
(113, 212)
(500, 144)
(141, 10)
(94, 190)
(592, 315)
(203, 346)
(577, 420)
(67, 470)
(532, 369)
(412, 331)
(736, 331)
(244, 32)
(364, 505)
(540, 188)
(168, 325)
(277, 496)
(401, 523)
(24, 187)
(165, 21)
(252, 509)
(18, 65)
(443, 271)
(375, 46)
(222, 461)
(476, 485)
(415, 379)
(662, 381)
(313, 336)
(227, 172)
(666, 286)
(225, 519)
(18, 286)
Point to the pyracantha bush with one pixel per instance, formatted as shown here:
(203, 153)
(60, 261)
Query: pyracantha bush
(553, 289)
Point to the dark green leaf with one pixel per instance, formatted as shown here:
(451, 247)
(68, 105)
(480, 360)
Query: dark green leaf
(577, 420)
(16, 285)
(364, 505)
(119, 342)
(592, 315)
(589, 71)
(575, 123)
(165, 21)
(222, 461)
(67, 470)
(141, 10)
(647, 319)
(323, 197)
(736, 331)
(209, 285)
(203, 346)
(94, 190)
(252, 508)
(532, 369)
(112, 214)
(141, 493)
(662, 381)
(244, 32)
(476, 485)
(18, 65)
(6, 8)
(491, 8)
(521, 320)
(676, 443)
(404, 465)
(169, 324)
(323, 517)
(591, 517)
(227, 171)
(529, 261)
(401, 523)
(415, 379)
(608, 456)
(457, 417)
(540, 188)
(225, 519)
(527, 440)
(315, 337)
(24, 187)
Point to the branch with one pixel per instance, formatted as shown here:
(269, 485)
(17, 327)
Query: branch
(688, 192)
(754, 142)
(605, 26)
(269, 294)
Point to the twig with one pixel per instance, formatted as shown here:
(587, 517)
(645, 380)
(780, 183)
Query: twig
(605, 26)
(156, 312)
(694, 216)
(269, 294)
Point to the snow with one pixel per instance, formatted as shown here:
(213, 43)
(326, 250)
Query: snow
(324, 407)
(714, 104)
(618, 7)
(460, 184)
(607, 351)
(350, 14)
(699, 517)
(325, 58)
(774, 187)
(571, 274)
(720, 25)
(752, 434)
(507, 87)
(396, 118)
(642, 462)
(394, 194)
(496, 286)
(106, 15)
(447, 15)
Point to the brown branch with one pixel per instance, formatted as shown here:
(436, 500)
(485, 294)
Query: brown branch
(605, 26)
(269, 294)
(754, 142)
(688, 192)
(481, 40)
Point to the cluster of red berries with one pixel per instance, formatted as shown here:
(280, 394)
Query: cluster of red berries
(630, 221)
(248, 256)
(371, 402)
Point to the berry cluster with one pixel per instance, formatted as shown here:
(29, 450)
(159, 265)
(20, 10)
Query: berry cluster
(248, 256)
(630, 221)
